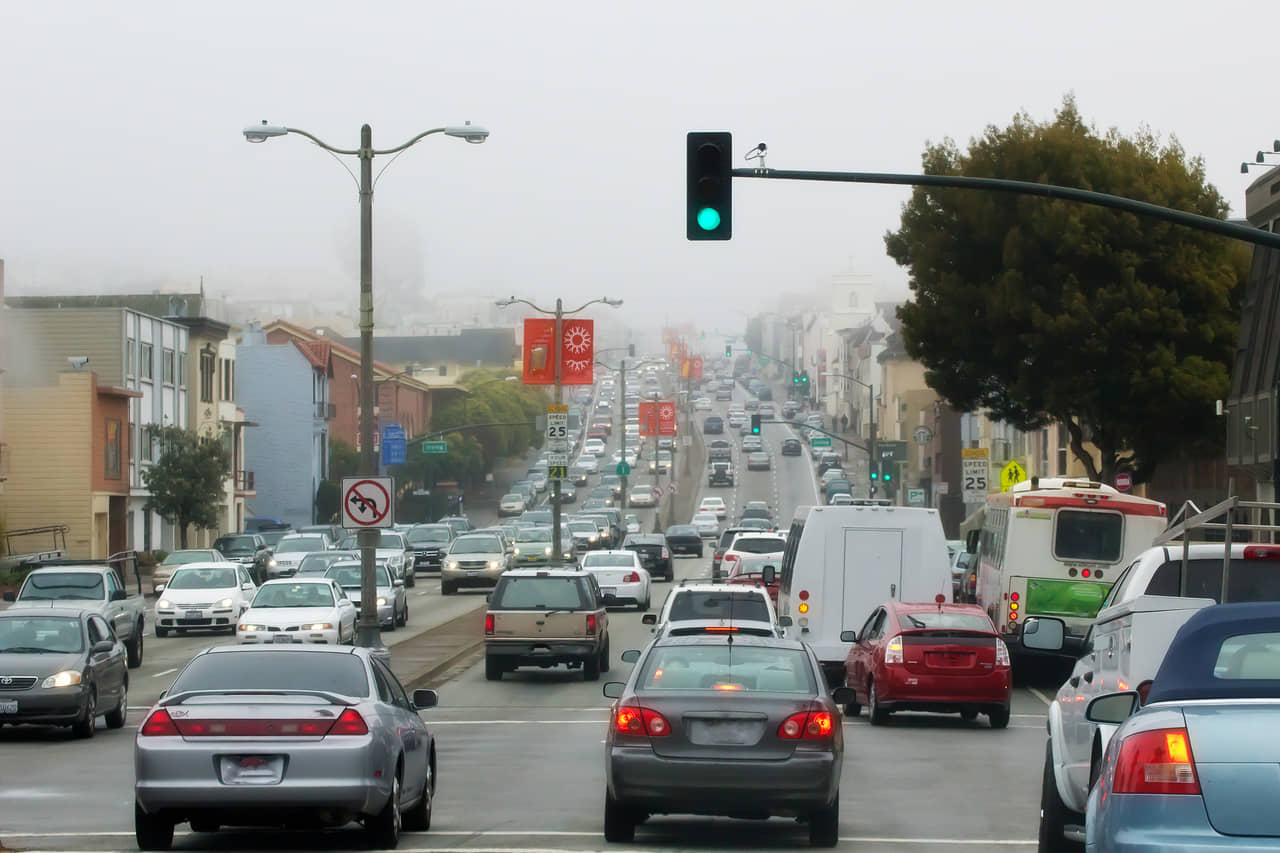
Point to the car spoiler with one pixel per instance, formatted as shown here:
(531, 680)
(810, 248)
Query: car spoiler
(181, 698)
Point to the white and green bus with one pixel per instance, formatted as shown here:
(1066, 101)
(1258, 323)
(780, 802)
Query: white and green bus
(1053, 547)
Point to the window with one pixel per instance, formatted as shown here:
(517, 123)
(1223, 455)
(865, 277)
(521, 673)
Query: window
(1250, 580)
(1084, 535)
(1063, 441)
(130, 356)
(398, 697)
(1254, 657)
(749, 669)
(281, 670)
(228, 379)
(111, 451)
(539, 593)
(97, 630)
(148, 451)
(167, 367)
(182, 370)
(146, 368)
(207, 365)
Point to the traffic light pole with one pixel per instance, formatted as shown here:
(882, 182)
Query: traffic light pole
(622, 428)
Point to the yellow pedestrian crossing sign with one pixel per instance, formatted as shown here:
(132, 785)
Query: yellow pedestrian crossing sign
(1011, 475)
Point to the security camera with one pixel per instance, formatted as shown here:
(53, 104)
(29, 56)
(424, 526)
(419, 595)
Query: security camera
(77, 361)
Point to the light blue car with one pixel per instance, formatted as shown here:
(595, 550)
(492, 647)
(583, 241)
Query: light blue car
(1198, 766)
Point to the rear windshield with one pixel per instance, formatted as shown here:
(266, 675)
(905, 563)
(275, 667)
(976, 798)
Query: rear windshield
(539, 593)
(932, 619)
(1251, 657)
(203, 579)
(719, 605)
(594, 561)
(760, 545)
(341, 673)
(728, 668)
(349, 576)
(1084, 535)
(1250, 580)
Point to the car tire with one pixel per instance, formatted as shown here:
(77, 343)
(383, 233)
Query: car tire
(394, 622)
(604, 657)
(875, 711)
(700, 552)
(999, 718)
(164, 632)
(87, 723)
(410, 579)
(824, 825)
(383, 829)
(447, 588)
(151, 831)
(404, 614)
(203, 825)
(619, 822)
(115, 717)
(134, 647)
(1054, 814)
(493, 669)
(591, 668)
(418, 817)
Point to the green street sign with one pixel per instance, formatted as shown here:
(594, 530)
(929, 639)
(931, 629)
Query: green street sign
(623, 469)
(435, 447)
(820, 441)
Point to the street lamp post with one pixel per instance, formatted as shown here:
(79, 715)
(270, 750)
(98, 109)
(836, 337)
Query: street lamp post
(871, 416)
(559, 313)
(622, 439)
(369, 634)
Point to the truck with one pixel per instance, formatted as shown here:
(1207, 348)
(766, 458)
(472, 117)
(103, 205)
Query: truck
(95, 587)
(543, 618)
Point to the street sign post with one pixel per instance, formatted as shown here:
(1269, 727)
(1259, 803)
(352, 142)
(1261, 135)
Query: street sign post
(435, 447)
(974, 470)
(557, 466)
(820, 441)
(366, 502)
(557, 423)
(1011, 475)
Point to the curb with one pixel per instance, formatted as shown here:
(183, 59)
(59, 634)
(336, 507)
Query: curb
(424, 678)
(454, 640)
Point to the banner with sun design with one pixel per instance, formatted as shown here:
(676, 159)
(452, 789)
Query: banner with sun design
(577, 352)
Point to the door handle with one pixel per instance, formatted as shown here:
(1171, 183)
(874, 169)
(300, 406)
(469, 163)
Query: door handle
(1088, 676)
(1075, 681)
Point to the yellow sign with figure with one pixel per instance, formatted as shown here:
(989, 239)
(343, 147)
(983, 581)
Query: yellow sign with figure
(1011, 475)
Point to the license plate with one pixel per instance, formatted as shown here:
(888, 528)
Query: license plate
(724, 732)
(194, 614)
(282, 638)
(8, 706)
(608, 590)
(251, 769)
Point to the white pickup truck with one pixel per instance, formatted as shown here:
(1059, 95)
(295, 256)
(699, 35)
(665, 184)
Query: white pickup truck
(95, 588)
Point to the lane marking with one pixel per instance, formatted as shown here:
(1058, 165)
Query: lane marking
(1045, 699)
(165, 672)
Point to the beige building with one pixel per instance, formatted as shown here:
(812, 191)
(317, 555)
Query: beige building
(904, 412)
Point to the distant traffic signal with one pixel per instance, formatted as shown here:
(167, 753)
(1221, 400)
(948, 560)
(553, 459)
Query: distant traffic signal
(728, 350)
(755, 424)
(631, 350)
(875, 472)
(888, 473)
(709, 196)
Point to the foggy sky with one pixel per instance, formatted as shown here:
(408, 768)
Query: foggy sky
(125, 168)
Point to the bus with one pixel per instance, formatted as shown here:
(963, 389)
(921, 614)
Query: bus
(1053, 547)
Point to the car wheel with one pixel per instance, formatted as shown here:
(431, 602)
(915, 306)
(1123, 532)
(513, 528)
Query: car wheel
(824, 825)
(410, 578)
(404, 614)
(1054, 814)
(115, 718)
(604, 657)
(699, 552)
(446, 588)
(879, 716)
(134, 648)
(392, 625)
(164, 632)
(591, 668)
(152, 831)
(418, 818)
(383, 829)
(999, 718)
(492, 669)
(88, 722)
(619, 822)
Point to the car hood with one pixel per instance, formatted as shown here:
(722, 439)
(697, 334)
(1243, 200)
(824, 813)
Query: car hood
(496, 555)
(40, 665)
(76, 603)
(183, 596)
(282, 616)
(388, 552)
(292, 556)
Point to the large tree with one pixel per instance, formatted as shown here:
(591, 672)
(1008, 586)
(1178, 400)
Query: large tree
(187, 481)
(1042, 311)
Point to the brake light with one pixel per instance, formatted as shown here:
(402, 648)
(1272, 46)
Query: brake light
(810, 725)
(893, 651)
(158, 724)
(1002, 654)
(591, 624)
(1156, 762)
(349, 723)
(804, 595)
(631, 577)
(488, 624)
(1262, 552)
(640, 721)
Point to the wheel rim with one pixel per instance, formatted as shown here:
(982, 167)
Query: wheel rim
(395, 806)
(124, 700)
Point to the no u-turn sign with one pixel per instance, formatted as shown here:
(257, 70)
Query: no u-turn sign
(366, 502)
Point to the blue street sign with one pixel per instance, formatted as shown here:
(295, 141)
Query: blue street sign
(393, 439)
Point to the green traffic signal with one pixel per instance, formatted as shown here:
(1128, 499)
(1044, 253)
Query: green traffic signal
(709, 188)
(755, 424)
(708, 219)
(875, 475)
(888, 475)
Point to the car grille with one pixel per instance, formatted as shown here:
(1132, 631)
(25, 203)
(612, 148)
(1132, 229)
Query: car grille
(17, 682)
(200, 606)
(473, 564)
(290, 628)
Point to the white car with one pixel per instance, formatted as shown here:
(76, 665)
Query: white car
(752, 544)
(707, 525)
(588, 462)
(716, 505)
(204, 595)
(511, 504)
(290, 550)
(621, 577)
(702, 404)
(697, 608)
(642, 495)
(594, 446)
(299, 610)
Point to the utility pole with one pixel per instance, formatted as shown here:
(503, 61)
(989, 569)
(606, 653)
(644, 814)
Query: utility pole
(557, 557)
(872, 459)
(622, 427)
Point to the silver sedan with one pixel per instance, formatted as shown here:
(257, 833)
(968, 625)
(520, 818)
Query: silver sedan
(272, 736)
(393, 601)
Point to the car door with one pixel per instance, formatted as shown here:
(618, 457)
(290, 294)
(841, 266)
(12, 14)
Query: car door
(106, 669)
(346, 610)
(872, 651)
(117, 613)
(855, 667)
(410, 731)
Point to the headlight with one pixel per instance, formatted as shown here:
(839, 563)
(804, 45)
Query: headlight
(250, 627)
(163, 604)
(548, 549)
(591, 538)
(66, 678)
(272, 562)
(453, 564)
(382, 602)
(517, 552)
(493, 564)
(226, 602)
(320, 626)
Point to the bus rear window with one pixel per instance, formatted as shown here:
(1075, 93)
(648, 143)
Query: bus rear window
(1091, 536)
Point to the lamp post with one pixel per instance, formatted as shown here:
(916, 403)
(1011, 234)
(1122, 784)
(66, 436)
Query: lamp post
(369, 633)
(871, 417)
(559, 313)
(622, 440)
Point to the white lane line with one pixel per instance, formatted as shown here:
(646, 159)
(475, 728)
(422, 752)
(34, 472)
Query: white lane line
(165, 672)
(1045, 699)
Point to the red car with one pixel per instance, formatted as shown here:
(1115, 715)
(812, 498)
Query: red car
(750, 570)
(929, 657)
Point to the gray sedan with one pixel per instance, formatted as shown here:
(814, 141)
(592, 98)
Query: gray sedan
(736, 726)
(312, 736)
(393, 601)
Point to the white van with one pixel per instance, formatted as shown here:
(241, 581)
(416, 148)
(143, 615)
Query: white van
(841, 562)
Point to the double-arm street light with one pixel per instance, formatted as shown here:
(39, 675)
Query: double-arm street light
(871, 410)
(557, 345)
(369, 634)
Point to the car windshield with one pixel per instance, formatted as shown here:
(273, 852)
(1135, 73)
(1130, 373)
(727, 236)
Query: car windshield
(300, 544)
(475, 545)
(334, 672)
(234, 544)
(181, 558)
(760, 544)
(512, 498)
(294, 595)
(583, 527)
(934, 620)
(26, 634)
(696, 604)
(318, 563)
(682, 530)
(63, 586)
(596, 561)
(348, 575)
(539, 593)
(533, 535)
(736, 668)
(203, 579)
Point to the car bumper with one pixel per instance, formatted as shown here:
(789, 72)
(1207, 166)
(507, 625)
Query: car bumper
(470, 577)
(327, 637)
(535, 653)
(639, 777)
(386, 614)
(623, 593)
(905, 690)
(1151, 823)
(55, 706)
(425, 562)
(178, 617)
(685, 547)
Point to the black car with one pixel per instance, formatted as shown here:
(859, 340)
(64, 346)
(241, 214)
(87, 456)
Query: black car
(62, 667)
(713, 425)
(721, 474)
(684, 539)
(829, 460)
(428, 543)
(792, 447)
(652, 550)
(460, 523)
(247, 549)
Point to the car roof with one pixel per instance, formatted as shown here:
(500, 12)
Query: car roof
(295, 579)
(1188, 669)
(61, 612)
(721, 640)
(708, 586)
(292, 648)
(547, 572)
(216, 564)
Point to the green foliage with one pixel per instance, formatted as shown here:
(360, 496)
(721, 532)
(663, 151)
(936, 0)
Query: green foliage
(328, 496)
(344, 461)
(187, 480)
(1044, 311)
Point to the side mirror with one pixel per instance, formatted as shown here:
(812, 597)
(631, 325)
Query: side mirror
(649, 619)
(10, 595)
(244, 586)
(397, 582)
(423, 699)
(102, 647)
(614, 689)
(630, 656)
(159, 588)
(1043, 633)
(1112, 708)
(843, 695)
(119, 595)
(848, 636)
(769, 575)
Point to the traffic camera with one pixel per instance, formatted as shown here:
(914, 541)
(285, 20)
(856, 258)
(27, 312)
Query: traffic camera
(709, 194)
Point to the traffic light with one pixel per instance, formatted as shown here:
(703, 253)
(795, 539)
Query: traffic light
(875, 473)
(755, 424)
(631, 350)
(795, 377)
(709, 196)
(888, 473)
(728, 350)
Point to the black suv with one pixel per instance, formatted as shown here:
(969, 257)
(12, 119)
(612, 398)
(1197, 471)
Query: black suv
(652, 550)
(428, 542)
(792, 447)
(713, 425)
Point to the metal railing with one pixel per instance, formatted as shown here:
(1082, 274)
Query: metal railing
(1230, 521)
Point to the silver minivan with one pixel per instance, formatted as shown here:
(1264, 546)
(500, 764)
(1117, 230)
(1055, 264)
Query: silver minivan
(474, 560)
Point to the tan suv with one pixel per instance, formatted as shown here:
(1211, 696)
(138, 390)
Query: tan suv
(546, 617)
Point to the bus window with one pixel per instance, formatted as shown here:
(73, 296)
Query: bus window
(1084, 535)
(1251, 580)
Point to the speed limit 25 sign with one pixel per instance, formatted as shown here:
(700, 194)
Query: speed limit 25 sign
(973, 474)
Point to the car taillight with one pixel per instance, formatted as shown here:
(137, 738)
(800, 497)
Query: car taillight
(1156, 762)
(1262, 552)
(631, 577)
(640, 721)
(158, 724)
(349, 723)
(488, 624)
(1002, 654)
(893, 651)
(665, 553)
(591, 624)
(809, 725)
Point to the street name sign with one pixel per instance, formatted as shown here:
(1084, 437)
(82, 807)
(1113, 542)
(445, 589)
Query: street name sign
(435, 447)
(820, 441)
(366, 502)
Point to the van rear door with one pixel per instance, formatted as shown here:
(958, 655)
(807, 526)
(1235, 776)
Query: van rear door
(872, 574)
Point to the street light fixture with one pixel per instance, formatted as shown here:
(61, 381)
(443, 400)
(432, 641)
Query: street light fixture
(369, 634)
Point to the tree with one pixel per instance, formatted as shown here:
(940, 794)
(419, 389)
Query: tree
(344, 461)
(1044, 311)
(188, 479)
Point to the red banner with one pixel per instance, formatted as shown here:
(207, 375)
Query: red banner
(539, 353)
(695, 367)
(666, 419)
(577, 352)
(648, 419)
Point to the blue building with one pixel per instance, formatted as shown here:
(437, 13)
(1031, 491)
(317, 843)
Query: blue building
(286, 386)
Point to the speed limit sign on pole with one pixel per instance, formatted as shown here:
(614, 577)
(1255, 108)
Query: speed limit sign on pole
(974, 471)
(558, 427)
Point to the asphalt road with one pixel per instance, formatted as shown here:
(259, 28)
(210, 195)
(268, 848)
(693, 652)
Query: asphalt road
(521, 760)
